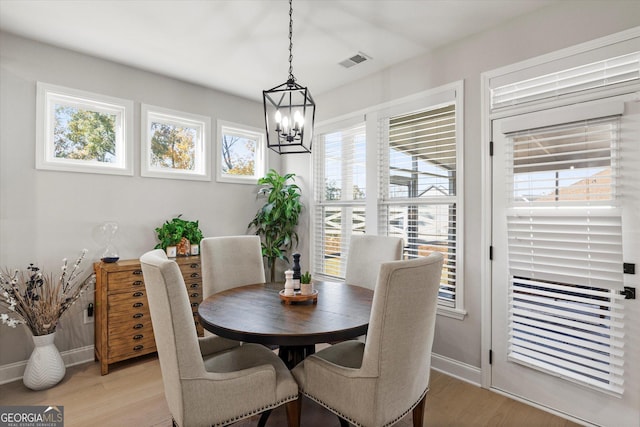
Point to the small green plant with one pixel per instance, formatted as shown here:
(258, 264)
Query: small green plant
(192, 232)
(305, 278)
(172, 232)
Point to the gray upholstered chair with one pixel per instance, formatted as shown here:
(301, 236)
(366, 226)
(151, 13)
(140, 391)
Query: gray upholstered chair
(366, 253)
(377, 383)
(209, 381)
(230, 261)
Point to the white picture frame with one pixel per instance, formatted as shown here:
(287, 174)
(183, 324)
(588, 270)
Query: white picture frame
(175, 144)
(79, 131)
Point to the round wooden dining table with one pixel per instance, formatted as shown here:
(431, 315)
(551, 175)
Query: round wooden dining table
(256, 314)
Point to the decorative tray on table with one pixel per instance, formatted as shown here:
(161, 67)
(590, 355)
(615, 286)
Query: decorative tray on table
(298, 297)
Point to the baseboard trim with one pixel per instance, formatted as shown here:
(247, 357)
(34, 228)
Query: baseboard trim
(456, 369)
(14, 371)
(446, 365)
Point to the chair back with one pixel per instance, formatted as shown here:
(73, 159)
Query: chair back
(366, 253)
(229, 262)
(173, 327)
(401, 330)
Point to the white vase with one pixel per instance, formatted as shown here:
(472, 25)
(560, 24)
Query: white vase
(45, 367)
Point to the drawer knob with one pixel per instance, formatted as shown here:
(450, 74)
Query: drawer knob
(194, 304)
(195, 275)
(137, 272)
(138, 304)
(138, 326)
(195, 285)
(138, 283)
(138, 294)
(194, 295)
(138, 315)
(138, 348)
(138, 337)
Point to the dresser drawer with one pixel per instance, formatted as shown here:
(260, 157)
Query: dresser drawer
(124, 347)
(189, 268)
(125, 281)
(133, 314)
(129, 305)
(119, 326)
(126, 300)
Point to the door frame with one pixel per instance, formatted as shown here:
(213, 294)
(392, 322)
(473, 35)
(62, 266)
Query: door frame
(486, 132)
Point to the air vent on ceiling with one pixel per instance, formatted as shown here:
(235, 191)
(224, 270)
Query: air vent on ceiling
(354, 60)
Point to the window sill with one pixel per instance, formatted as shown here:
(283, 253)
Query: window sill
(451, 312)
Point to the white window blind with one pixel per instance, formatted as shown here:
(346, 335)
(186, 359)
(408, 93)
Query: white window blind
(565, 165)
(601, 74)
(565, 252)
(340, 188)
(419, 195)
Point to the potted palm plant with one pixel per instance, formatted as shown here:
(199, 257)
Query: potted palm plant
(276, 221)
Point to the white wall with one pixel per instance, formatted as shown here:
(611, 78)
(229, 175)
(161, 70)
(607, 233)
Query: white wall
(552, 28)
(47, 215)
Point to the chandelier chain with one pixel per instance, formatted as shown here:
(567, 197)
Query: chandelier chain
(291, 41)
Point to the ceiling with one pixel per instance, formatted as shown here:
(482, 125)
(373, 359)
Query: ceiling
(241, 46)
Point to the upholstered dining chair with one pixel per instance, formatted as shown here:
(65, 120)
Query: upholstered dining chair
(366, 253)
(377, 383)
(229, 262)
(209, 381)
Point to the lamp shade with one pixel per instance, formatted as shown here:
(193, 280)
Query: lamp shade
(289, 115)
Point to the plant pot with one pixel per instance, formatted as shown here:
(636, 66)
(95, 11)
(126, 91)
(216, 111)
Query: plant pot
(171, 251)
(184, 247)
(45, 367)
(306, 288)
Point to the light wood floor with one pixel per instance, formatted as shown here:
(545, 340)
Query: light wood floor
(132, 395)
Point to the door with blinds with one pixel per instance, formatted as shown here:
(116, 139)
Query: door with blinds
(566, 227)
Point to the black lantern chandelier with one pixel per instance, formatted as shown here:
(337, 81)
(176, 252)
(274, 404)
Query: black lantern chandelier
(289, 111)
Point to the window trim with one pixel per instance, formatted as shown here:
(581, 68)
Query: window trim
(260, 161)
(202, 156)
(46, 97)
(430, 100)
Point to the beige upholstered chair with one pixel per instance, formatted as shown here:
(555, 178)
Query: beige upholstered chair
(376, 383)
(230, 261)
(366, 253)
(209, 381)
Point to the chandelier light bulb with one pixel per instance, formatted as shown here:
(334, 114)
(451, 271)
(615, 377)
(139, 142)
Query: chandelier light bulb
(285, 123)
(297, 117)
(278, 117)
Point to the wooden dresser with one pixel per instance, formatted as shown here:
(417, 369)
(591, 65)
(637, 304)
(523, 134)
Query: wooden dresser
(123, 326)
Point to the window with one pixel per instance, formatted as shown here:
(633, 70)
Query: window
(340, 192)
(603, 74)
(419, 187)
(175, 144)
(242, 155)
(415, 157)
(83, 132)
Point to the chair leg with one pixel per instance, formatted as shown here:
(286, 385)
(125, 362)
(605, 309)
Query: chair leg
(264, 417)
(418, 412)
(293, 410)
(343, 422)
